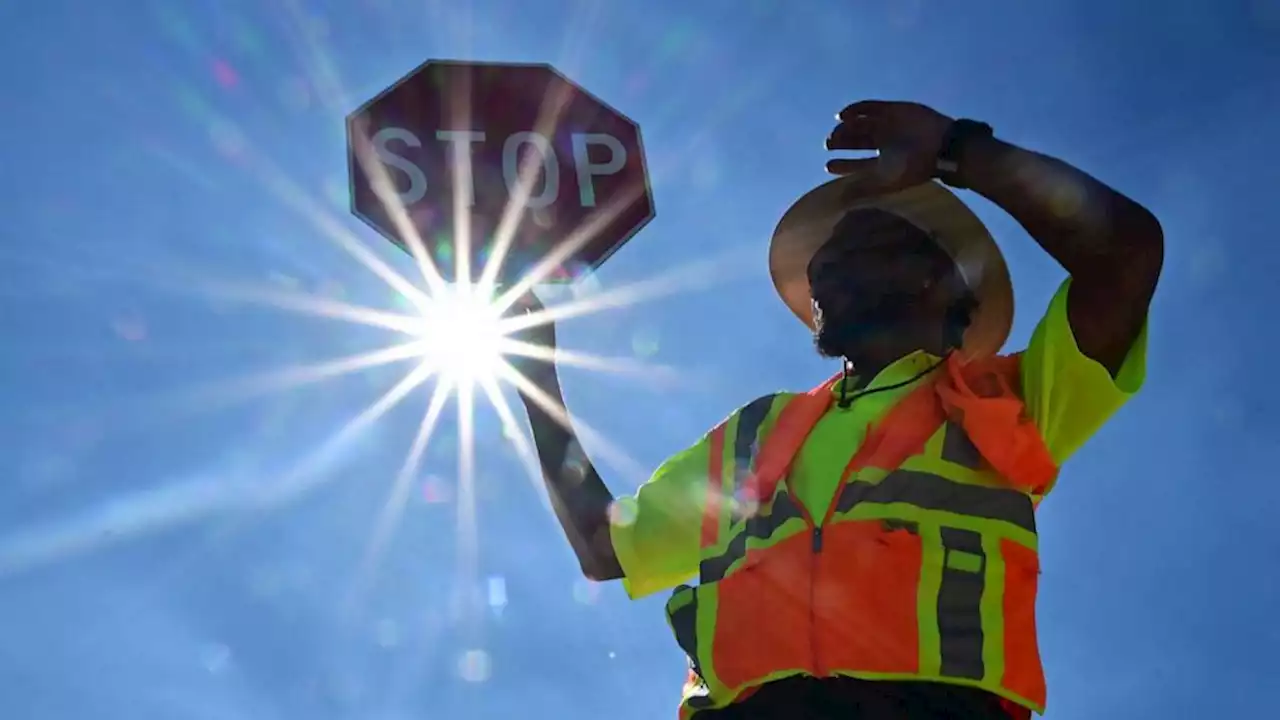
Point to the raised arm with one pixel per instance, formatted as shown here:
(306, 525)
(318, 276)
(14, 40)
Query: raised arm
(1112, 246)
(579, 497)
(653, 541)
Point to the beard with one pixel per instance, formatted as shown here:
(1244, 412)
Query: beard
(836, 340)
(844, 334)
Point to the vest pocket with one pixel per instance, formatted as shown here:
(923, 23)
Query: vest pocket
(763, 621)
(1023, 673)
(865, 598)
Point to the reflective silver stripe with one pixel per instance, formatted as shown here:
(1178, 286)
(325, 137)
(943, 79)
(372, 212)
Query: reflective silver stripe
(920, 489)
(960, 604)
(958, 448)
(760, 527)
(933, 492)
(684, 624)
(745, 449)
(750, 418)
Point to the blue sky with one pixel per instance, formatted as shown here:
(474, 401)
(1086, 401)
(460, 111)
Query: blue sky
(170, 551)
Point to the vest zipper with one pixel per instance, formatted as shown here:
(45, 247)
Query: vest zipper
(815, 547)
(815, 564)
(818, 668)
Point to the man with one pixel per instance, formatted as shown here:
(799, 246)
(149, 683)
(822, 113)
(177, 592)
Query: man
(868, 549)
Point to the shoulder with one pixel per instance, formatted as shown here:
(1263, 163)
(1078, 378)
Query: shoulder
(762, 405)
(1053, 359)
(755, 411)
(742, 430)
(1068, 394)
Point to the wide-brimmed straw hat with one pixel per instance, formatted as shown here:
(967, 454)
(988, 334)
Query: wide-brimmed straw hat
(808, 224)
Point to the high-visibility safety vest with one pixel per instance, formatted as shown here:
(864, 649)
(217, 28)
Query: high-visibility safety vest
(924, 566)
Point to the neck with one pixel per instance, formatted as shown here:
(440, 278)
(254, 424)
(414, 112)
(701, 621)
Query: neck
(868, 360)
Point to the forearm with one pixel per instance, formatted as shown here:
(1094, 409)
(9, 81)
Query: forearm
(1112, 246)
(1089, 228)
(579, 497)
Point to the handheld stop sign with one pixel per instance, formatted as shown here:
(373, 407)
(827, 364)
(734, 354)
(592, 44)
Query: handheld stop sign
(451, 146)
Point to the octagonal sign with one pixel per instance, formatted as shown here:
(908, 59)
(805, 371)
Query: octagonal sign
(455, 150)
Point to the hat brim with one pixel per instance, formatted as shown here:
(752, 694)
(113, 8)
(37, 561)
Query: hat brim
(808, 224)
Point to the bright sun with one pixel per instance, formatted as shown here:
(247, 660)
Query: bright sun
(463, 335)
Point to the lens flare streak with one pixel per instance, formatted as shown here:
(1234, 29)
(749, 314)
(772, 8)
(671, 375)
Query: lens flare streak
(609, 452)
(524, 451)
(297, 376)
(393, 508)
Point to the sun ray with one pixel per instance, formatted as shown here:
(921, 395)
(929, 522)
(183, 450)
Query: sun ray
(587, 361)
(324, 76)
(609, 452)
(549, 114)
(294, 197)
(380, 182)
(704, 273)
(305, 475)
(244, 388)
(393, 509)
(512, 429)
(568, 247)
(459, 109)
(311, 305)
(162, 508)
(581, 235)
(320, 218)
(468, 556)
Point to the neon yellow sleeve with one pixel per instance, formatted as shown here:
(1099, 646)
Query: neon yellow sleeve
(1068, 394)
(656, 533)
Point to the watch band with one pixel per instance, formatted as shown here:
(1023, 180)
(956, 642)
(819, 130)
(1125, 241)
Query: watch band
(960, 132)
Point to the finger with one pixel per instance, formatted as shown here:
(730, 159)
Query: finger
(856, 134)
(870, 108)
(853, 166)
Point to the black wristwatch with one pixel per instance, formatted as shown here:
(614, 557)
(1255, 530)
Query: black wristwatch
(960, 132)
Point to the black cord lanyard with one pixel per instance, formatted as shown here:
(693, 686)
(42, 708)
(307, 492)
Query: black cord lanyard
(846, 399)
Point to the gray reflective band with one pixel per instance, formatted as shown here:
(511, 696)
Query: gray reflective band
(958, 448)
(960, 604)
(760, 527)
(750, 418)
(745, 447)
(684, 625)
(932, 492)
(919, 489)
